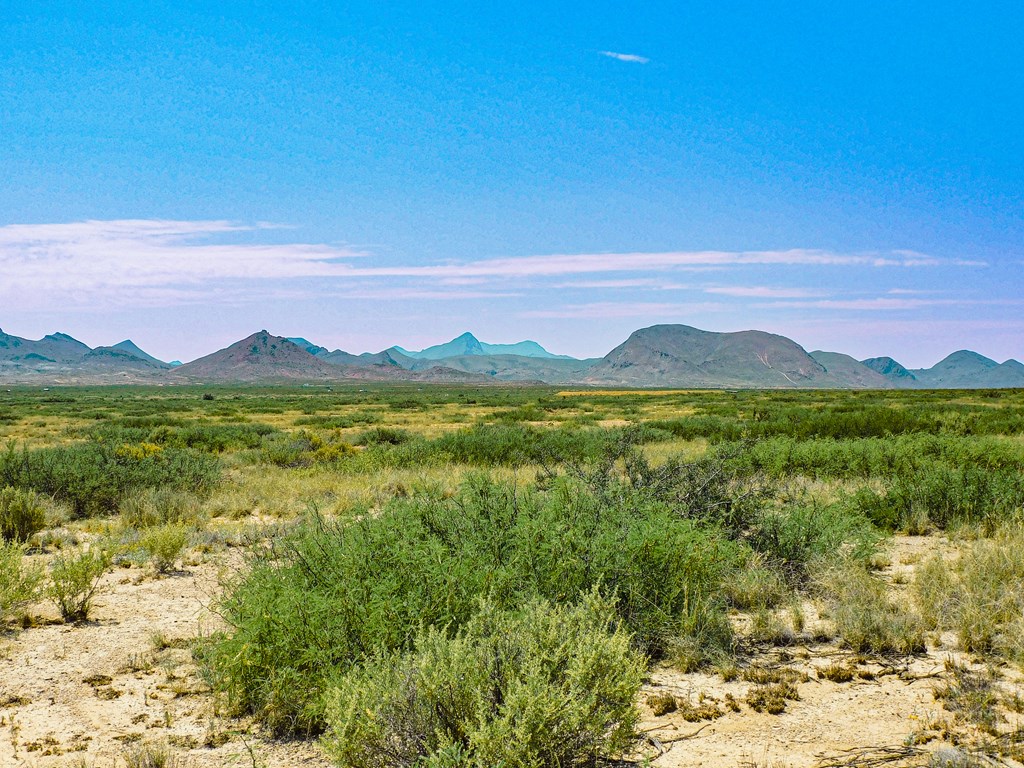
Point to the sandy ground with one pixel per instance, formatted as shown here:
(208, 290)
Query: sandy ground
(90, 694)
(87, 695)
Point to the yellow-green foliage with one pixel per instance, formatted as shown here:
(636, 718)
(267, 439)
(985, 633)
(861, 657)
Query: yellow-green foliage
(19, 582)
(164, 544)
(74, 580)
(540, 687)
(21, 514)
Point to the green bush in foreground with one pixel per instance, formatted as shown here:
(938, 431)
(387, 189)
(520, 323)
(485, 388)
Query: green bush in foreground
(19, 582)
(21, 515)
(74, 580)
(544, 686)
(333, 595)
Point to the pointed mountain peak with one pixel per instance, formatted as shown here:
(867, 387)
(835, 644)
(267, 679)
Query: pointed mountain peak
(58, 336)
(132, 348)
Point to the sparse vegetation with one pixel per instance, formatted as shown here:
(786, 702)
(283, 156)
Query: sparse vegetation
(866, 618)
(19, 582)
(74, 580)
(391, 531)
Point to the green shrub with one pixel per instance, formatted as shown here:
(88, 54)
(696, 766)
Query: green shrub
(303, 449)
(945, 496)
(331, 595)
(795, 538)
(164, 544)
(19, 582)
(96, 478)
(542, 686)
(21, 514)
(74, 580)
(384, 436)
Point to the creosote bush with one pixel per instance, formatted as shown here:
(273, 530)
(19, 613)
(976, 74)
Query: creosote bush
(96, 478)
(334, 594)
(164, 544)
(21, 514)
(541, 686)
(20, 583)
(74, 581)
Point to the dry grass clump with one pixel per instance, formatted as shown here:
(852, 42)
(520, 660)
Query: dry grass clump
(756, 586)
(772, 698)
(981, 595)
(866, 618)
(152, 755)
(837, 673)
(662, 703)
(707, 708)
(972, 696)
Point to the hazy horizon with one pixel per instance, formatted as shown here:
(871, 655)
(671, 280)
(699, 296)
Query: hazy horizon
(365, 176)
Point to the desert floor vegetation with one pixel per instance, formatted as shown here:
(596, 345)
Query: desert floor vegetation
(437, 575)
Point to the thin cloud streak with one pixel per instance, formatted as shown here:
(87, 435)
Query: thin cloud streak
(877, 304)
(608, 309)
(760, 292)
(630, 58)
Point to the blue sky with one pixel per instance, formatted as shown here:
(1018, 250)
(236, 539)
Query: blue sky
(368, 174)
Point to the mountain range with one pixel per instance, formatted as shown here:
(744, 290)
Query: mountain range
(658, 356)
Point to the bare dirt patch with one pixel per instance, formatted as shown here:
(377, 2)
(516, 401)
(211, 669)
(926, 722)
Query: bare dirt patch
(91, 693)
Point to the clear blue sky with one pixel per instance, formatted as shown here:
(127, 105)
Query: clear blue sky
(367, 174)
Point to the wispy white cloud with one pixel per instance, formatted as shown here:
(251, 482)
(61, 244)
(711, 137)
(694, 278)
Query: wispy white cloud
(651, 283)
(554, 265)
(610, 309)
(761, 292)
(631, 58)
(169, 262)
(872, 304)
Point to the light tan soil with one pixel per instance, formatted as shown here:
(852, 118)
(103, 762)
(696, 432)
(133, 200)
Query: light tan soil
(86, 695)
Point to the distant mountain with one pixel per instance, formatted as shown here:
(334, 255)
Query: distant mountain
(681, 356)
(851, 371)
(55, 348)
(658, 356)
(259, 357)
(131, 348)
(969, 370)
(553, 370)
(889, 368)
(265, 357)
(116, 357)
(307, 345)
(467, 344)
(390, 357)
